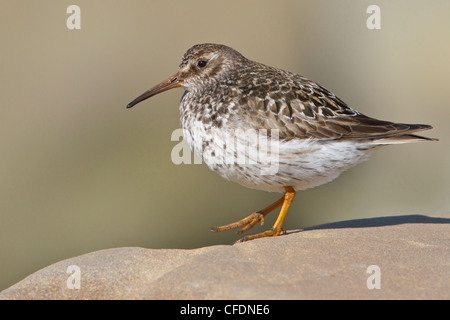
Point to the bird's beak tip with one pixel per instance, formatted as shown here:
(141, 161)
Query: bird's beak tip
(170, 83)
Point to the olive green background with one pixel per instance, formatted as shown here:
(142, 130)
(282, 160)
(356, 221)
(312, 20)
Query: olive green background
(79, 172)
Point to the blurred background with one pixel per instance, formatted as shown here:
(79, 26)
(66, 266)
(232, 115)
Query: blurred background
(79, 172)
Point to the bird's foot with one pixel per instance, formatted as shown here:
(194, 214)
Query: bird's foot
(273, 232)
(247, 223)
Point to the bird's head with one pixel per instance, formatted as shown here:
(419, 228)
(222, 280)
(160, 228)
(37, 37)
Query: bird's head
(202, 66)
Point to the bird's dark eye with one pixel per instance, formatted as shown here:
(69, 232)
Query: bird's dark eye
(201, 64)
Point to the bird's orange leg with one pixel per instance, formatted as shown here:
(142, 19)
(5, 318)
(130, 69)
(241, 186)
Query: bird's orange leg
(277, 228)
(255, 217)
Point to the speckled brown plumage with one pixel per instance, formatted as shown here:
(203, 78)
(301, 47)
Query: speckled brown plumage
(278, 99)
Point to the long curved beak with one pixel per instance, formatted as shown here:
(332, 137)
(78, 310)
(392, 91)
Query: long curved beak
(170, 83)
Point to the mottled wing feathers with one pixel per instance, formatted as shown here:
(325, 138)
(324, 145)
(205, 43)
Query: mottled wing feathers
(300, 108)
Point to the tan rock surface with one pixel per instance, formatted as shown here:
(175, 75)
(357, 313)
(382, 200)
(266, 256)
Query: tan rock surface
(324, 262)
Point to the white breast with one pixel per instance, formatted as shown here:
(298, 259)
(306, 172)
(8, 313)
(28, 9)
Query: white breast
(252, 159)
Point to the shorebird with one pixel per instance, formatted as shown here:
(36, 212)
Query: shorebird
(317, 135)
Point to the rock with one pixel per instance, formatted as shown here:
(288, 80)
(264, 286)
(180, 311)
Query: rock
(325, 262)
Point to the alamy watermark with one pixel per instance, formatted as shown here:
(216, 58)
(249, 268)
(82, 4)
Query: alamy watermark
(374, 280)
(373, 22)
(74, 280)
(73, 22)
(258, 149)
